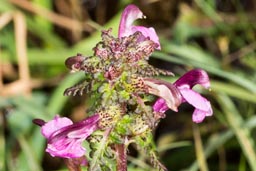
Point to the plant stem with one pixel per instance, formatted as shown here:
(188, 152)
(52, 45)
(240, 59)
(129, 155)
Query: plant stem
(121, 157)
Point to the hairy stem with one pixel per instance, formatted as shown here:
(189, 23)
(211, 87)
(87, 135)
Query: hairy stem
(121, 157)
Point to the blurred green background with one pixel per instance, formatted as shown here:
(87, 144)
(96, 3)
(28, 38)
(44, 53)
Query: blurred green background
(219, 36)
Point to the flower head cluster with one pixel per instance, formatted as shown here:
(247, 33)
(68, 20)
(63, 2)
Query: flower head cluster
(122, 87)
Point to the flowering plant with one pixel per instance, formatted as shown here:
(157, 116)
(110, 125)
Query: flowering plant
(125, 109)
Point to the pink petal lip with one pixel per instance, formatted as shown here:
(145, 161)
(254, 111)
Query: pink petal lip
(196, 100)
(198, 116)
(73, 149)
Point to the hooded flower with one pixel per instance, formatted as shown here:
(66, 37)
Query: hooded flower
(170, 95)
(170, 98)
(65, 137)
(75, 63)
(126, 27)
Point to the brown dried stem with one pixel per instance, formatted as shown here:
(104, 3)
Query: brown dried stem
(5, 19)
(21, 49)
(57, 19)
(21, 86)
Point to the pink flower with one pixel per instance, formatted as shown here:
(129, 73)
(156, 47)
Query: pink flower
(170, 95)
(186, 83)
(185, 93)
(126, 27)
(65, 137)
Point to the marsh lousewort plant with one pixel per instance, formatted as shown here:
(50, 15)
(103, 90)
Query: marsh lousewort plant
(128, 102)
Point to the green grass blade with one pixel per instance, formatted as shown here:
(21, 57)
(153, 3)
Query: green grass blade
(242, 134)
(200, 156)
(37, 143)
(173, 145)
(233, 91)
(191, 53)
(29, 159)
(218, 140)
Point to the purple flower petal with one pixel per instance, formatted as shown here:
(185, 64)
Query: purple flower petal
(160, 106)
(172, 95)
(198, 116)
(147, 32)
(165, 90)
(129, 15)
(66, 149)
(126, 28)
(65, 138)
(196, 100)
(52, 126)
(193, 77)
(84, 128)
